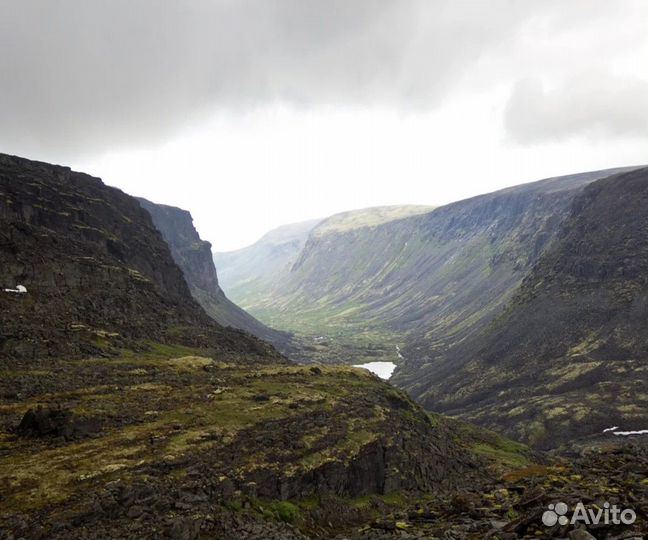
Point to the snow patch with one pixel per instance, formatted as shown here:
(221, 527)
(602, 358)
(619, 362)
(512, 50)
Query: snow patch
(20, 289)
(627, 433)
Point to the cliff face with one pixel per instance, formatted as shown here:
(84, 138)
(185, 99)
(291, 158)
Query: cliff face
(97, 272)
(194, 257)
(567, 357)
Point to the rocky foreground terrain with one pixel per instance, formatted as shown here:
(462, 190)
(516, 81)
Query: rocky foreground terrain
(175, 443)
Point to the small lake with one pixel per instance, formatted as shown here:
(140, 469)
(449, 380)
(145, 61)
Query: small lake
(384, 370)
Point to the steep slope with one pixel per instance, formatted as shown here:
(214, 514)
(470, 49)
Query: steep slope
(194, 257)
(249, 274)
(443, 274)
(568, 356)
(95, 268)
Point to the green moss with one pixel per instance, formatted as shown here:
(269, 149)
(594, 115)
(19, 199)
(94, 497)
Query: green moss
(285, 511)
(310, 503)
(502, 455)
(234, 505)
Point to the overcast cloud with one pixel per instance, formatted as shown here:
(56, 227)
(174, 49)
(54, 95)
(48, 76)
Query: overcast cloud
(122, 85)
(594, 105)
(81, 76)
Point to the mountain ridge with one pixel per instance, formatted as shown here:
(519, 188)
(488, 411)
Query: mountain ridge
(367, 288)
(194, 257)
(577, 322)
(93, 264)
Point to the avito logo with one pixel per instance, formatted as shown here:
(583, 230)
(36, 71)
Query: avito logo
(609, 514)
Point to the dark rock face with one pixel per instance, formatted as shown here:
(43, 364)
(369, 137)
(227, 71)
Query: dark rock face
(567, 357)
(55, 422)
(195, 259)
(95, 268)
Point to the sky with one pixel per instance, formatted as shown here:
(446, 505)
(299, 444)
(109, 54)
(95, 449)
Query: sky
(254, 114)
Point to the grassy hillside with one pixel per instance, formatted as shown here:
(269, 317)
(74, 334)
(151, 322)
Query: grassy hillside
(367, 217)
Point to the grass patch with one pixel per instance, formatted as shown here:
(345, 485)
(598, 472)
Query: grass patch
(285, 511)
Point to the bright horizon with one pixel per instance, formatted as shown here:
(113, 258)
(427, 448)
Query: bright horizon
(323, 110)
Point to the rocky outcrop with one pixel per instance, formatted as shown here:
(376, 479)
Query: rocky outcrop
(194, 257)
(97, 272)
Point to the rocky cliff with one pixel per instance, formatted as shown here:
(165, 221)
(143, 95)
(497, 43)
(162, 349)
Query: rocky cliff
(567, 358)
(194, 257)
(98, 274)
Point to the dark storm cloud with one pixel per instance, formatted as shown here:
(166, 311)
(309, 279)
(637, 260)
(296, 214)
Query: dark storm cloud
(85, 75)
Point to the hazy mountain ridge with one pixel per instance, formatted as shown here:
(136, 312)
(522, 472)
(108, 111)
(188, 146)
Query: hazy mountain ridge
(194, 257)
(367, 217)
(248, 274)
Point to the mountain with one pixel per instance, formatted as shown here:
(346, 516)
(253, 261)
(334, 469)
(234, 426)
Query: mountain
(127, 412)
(567, 358)
(248, 274)
(194, 257)
(98, 274)
(444, 273)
